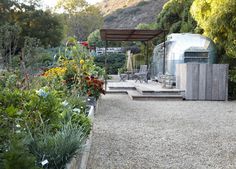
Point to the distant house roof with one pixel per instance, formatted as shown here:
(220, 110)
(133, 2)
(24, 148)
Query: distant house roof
(129, 34)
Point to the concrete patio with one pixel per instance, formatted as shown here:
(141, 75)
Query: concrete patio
(143, 91)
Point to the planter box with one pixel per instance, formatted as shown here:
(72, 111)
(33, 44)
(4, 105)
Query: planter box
(80, 161)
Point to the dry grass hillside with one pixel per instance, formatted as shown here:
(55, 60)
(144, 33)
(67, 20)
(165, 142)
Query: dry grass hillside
(129, 13)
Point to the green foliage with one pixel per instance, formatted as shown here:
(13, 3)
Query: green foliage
(84, 22)
(71, 6)
(176, 18)
(37, 115)
(95, 39)
(82, 121)
(148, 26)
(33, 22)
(9, 37)
(232, 83)
(18, 157)
(114, 61)
(218, 20)
(70, 75)
(43, 26)
(59, 148)
(91, 86)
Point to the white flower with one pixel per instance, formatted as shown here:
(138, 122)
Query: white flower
(41, 93)
(18, 126)
(65, 103)
(18, 131)
(76, 110)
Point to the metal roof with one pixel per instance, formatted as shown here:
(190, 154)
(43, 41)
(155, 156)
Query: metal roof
(129, 34)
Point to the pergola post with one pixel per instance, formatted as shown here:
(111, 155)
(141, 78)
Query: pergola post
(106, 75)
(147, 54)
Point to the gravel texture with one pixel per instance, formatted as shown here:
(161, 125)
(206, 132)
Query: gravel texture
(163, 134)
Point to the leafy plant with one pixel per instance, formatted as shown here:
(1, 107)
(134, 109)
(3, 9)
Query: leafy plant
(115, 61)
(58, 149)
(92, 86)
(19, 157)
(232, 83)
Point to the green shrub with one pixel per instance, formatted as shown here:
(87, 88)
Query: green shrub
(114, 62)
(18, 157)
(232, 84)
(58, 149)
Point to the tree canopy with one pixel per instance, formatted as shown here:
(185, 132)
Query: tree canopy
(71, 6)
(33, 22)
(176, 17)
(95, 39)
(218, 20)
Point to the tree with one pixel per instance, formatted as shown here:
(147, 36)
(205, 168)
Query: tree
(33, 22)
(95, 39)
(114, 61)
(71, 6)
(176, 18)
(218, 20)
(41, 25)
(9, 37)
(82, 23)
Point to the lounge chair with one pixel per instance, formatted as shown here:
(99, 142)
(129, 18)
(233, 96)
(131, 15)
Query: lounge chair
(142, 74)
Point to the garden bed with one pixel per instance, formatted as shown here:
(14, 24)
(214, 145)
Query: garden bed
(80, 161)
(45, 117)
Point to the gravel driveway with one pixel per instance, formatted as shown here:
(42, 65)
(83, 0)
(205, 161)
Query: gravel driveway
(163, 134)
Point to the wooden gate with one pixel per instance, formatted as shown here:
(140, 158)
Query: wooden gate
(203, 81)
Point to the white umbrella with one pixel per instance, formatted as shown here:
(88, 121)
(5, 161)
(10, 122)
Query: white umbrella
(129, 61)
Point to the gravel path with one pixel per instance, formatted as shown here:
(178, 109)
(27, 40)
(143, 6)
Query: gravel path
(163, 134)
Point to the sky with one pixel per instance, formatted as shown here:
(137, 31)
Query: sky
(52, 3)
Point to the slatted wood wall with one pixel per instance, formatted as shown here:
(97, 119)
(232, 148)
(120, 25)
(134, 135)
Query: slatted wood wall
(203, 81)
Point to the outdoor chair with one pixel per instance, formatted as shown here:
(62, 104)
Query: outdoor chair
(123, 77)
(142, 74)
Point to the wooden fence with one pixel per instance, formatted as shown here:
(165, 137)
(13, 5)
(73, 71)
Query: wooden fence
(203, 81)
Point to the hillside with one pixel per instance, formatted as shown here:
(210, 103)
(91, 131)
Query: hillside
(129, 13)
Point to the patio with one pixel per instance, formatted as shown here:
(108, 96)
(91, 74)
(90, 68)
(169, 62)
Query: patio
(143, 91)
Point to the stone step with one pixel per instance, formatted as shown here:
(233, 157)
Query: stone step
(146, 91)
(121, 88)
(134, 95)
(116, 92)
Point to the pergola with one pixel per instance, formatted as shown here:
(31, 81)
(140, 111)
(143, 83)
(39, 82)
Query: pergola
(131, 35)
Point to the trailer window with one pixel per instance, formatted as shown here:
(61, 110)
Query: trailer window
(199, 57)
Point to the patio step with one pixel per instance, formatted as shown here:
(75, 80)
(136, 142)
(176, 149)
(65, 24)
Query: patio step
(134, 95)
(116, 92)
(146, 91)
(121, 88)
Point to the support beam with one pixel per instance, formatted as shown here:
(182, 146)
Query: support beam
(106, 76)
(147, 54)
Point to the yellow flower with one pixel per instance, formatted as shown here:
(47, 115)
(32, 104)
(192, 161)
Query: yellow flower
(81, 61)
(56, 71)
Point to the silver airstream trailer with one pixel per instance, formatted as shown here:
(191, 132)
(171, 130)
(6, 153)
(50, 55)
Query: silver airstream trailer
(182, 48)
